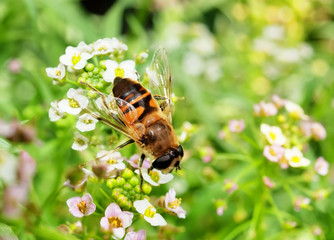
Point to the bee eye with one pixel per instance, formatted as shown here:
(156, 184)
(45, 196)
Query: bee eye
(180, 150)
(163, 162)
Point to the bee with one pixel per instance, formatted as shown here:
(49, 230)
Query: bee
(144, 117)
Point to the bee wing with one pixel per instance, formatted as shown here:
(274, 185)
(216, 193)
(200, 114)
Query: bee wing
(107, 109)
(160, 82)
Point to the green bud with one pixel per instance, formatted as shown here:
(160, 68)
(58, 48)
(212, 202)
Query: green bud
(111, 183)
(81, 79)
(127, 187)
(89, 67)
(116, 192)
(128, 205)
(147, 188)
(84, 75)
(120, 181)
(134, 181)
(90, 74)
(103, 64)
(121, 200)
(138, 197)
(99, 85)
(96, 70)
(137, 189)
(127, 173)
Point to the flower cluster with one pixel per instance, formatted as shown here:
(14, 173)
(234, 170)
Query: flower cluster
(288, 133)
(125, 195)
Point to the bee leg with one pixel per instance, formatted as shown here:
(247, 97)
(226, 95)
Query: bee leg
(142, 157)
(124, 144)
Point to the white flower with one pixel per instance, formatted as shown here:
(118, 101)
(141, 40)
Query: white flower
(295, 158)
(274, 32)
(113, 159)
(125, 69)
(86, 123)
(155, 177)
(54, 112)
(104, 46)
(74, 58)
(273, 134)
(318, 131)
(321, 166)
(83, 47)
(75, 102)
(295, 110)
(173, 204)
(57, 73)
(80, 142)
(149, 212)
(265, 109)
(119, 46)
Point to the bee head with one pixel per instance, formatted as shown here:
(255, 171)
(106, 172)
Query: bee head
(166, 163)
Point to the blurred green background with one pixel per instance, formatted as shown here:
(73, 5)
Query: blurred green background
(225, 56)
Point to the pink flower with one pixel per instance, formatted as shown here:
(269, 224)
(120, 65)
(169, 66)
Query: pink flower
(236, 125)
(301, 203)
(264, 109)
(278, 101)
(173, 204)
(273, 153)
(81, 206)
(321, 166)
(116, 220)
(207, 154)
(13, 198)
(230, 186)
(318, 131)
(135, 159)
(14, 65)
(220, 211)
(140, 235)
(27, 167)
(268, 182)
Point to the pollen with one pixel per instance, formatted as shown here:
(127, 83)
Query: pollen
(272, 135)
(295, 159)
(73, 103)
(112, 161)
(154, 176)
(82, 206)
(102, 48)
(115, 222)
(119, 72)
(272, 152)
(58, 73)
(87, 121)
(174, 204)
(76, 58)
(149, 212)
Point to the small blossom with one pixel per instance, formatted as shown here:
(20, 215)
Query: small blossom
(83, 47)
(273, 152)
(80, 142)
(295, 110)
(86, 123)
(125, 69)
(278, 101)
(320, 194)
(14, 66)
(230, 186)
(264, 109)
(135, 159)
(104, 46)
(316, 231)
(74, 103)
(56, 73)
(305, 127)
(140, 235)
(296, 158)
(273, 134)
(318, 131)
(268, 182)
(74, 58)
(116, 220)
(114, 160)
(149, 212)
(207, 154)
(301, 203)
(14, 197)
(236, 125)
(26, 168)
(220, 210)
(290, 224)
(54, 112)
(321, 166)
(81, 206)
(173, 204)
(155, 177)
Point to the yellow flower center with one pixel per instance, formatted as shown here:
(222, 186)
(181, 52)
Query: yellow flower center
(154, 176)
(174, 204)
(295, 159)
(149, 212)
(82, 206)
(119, 72)
(115, 222)
(87, 121)
(272, 151)
(76, 58)
(73, 103)
(58, 73)
(272, 135)
(112, 161)
(102, 48)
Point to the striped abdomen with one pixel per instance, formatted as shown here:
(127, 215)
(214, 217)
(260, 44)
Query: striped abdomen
(135, 94)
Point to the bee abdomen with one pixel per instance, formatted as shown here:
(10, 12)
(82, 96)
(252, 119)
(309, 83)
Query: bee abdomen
(136, 95)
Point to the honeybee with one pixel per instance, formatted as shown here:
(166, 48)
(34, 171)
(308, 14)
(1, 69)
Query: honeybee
(144, 117)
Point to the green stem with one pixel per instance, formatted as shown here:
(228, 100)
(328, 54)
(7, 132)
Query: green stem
(84, 228)
(104, 193)
(71, 82)
(275, 209)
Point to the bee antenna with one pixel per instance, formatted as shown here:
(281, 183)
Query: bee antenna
(91, 87)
